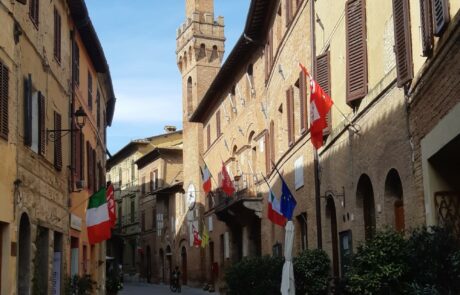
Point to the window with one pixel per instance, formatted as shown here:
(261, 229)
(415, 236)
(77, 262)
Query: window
(90, 91)
(426, 21)
(98, 110)
(218, 131)
(57, 142)
(441, 16)
(133, 206)
(155, 179)
(57, 35)
(4, 90)
(323, 77)
(302, 220)
(208, 136)
(303, 102)
(76, 64)
(202, 52)
(143, 185)
(34, 119)
(34, 11)
(214, 53)
(403, 47)
(89, 166)
(356, 50)
(189, 96)
(290, 115)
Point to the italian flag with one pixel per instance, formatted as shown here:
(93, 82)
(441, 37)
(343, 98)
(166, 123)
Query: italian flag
(206, 176)
(98, 221)
(274, 210)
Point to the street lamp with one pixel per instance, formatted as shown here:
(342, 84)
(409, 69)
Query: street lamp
(80, 118)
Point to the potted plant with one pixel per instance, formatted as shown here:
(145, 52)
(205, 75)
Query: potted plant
(113, 283)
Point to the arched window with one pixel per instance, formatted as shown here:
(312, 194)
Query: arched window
(394, 205)
(214, 54)
(202, 52)
(189, 96)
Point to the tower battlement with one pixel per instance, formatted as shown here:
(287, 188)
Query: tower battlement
(199, 25)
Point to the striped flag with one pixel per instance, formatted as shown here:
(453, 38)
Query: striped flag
(98, 222)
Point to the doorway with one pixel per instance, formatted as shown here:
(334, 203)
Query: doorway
(365, 200)
(331, 214)
(24, 245)
(149, 264)
(183, 255)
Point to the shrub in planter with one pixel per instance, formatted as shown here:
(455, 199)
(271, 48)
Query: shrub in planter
(434, 260)
(77, 285)
(255, 276)
(311, 271)
(379, 266)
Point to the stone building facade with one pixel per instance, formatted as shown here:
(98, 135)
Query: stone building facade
(39, 124)
(162, 213)
(254, 117)
(122, 171)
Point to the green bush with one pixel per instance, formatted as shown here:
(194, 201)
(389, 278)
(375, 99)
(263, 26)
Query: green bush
(255, 276)
(379, 265)
(311, 270)
(434, 260)
(77, 285)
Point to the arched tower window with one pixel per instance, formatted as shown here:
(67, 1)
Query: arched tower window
(202, 52)
(185, 59)
(214, 54)
(189, 96)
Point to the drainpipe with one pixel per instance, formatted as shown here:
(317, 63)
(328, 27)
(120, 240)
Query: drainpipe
(319, 235)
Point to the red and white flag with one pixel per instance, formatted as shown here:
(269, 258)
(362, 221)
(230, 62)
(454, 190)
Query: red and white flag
(320, 105)
(111, 204)
(227, 184)
(196, 237)
(206, 177)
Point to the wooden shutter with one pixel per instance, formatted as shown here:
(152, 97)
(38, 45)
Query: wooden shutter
(288, 13)
(89, 166)
(303, 102)
(28, 111)
(76, 64)
(356, 50)
(290, 114)
(426, 20)
(441, 16)
(403, 48)
(208, 133)
(90, 91)
(323, 78)
(78, 155)
(57, 35)
(33, 11)
(218, 123)
(4, 89)
(267, 152)
(42, 125)
(58, 142)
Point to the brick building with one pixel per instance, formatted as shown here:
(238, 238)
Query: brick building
(253, 115)
(122, 171)
(45, 59)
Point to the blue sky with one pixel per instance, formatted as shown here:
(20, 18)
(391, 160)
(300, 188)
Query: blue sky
(139, 40)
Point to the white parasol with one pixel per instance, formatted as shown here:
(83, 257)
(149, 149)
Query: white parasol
(288, 282)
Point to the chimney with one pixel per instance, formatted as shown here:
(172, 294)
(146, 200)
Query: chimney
(169, 129)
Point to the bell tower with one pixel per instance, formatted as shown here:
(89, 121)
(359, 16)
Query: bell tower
(199, 49)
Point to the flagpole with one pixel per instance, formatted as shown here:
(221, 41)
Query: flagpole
(319, 236)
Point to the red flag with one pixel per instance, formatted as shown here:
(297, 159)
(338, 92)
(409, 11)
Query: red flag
(196, 237)
(227, 184)
(320, 105)
(111, 205)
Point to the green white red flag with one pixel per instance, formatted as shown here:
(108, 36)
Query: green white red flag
(274, 210)
(98, 222)
(206, 176)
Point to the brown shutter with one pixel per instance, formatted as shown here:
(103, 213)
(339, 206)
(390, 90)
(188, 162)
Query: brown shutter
(426, 21)
(42, 125)
(356, 50)
(208, 131)
(4, 89)
(89, 166)
(218, 123)
(323, 77)
(441, 16)
(28, 110)
(90, 91)
(58, 142)
(303, 102)
(267, 152)
(288, 13)
(94, 168)
(78, 156)
(290, 114)
(403, 48)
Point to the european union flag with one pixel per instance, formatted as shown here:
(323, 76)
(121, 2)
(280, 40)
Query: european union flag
(288, 201)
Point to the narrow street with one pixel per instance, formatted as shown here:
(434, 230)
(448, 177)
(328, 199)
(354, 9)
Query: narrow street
(149, 289)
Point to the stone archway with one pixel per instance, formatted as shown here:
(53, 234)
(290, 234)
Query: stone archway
(331, 216)
(24, 245)
(365, 201)
(394, 204)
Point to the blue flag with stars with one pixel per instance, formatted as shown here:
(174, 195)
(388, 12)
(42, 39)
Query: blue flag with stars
(288, 201)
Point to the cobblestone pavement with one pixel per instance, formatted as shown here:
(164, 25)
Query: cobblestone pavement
(149, 289)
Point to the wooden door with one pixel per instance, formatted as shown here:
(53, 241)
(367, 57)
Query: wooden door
(399, 216)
